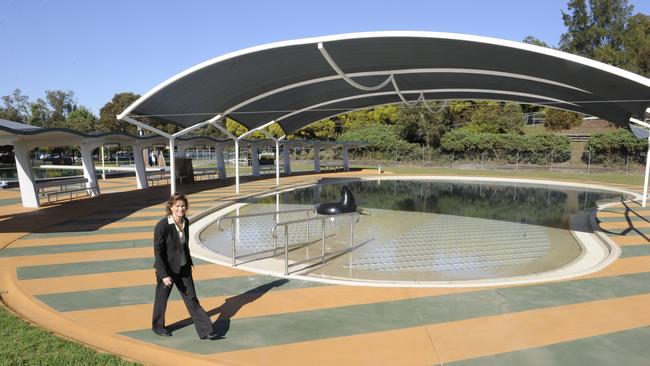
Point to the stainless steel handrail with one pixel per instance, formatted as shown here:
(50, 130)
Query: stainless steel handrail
(261, 214)
(234, 228)
(323, 219)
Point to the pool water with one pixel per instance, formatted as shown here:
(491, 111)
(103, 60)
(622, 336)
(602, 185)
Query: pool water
(426, 230)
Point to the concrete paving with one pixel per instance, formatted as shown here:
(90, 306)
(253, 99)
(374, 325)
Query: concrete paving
(82, 269)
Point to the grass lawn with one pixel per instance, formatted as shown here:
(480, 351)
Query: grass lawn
(616, 178)
(25, 344)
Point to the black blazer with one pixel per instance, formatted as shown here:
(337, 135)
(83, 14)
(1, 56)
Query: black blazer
(167, 248)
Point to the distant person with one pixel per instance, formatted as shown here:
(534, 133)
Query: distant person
(173, 265)
(152, 158)
(161, 159)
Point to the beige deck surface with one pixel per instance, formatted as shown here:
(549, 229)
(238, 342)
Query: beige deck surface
(83, 270)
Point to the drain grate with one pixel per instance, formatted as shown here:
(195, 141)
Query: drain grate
(455, 243)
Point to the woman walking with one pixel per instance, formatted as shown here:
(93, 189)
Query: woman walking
(173, 265)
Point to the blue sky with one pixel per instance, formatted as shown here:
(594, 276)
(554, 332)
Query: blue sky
(99, 48)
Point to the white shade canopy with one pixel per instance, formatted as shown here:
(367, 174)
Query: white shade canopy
(296, 83)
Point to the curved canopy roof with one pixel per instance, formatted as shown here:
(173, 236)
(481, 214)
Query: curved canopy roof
(296, 83)
(15, 132)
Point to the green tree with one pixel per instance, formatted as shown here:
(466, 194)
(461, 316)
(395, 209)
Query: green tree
(535, 41)
(596, 30)
(559, 119)
(60, 103)
(235, 127)
(381, 137)
(40, 113)
(386, 114)
(322, 130)
(108, 117)
(609, 20)
(612, 148)
(238, 129)
(419, 124)
(579, 37)
(15, 107)
(459, 112)
(81, 119)
(494, 117)
(637, 45)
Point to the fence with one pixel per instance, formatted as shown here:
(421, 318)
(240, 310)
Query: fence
(587, 162)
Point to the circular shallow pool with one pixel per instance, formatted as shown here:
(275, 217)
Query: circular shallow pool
(418, 231)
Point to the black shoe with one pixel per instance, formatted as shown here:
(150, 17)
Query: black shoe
(212, 335)
(162, 332)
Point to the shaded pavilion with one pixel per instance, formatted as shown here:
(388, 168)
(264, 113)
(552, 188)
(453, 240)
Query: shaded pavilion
(298, 82)
(25, 138)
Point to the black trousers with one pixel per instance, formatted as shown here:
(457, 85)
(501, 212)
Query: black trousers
(185, 285)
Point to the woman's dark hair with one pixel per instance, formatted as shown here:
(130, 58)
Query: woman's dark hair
(172, 200)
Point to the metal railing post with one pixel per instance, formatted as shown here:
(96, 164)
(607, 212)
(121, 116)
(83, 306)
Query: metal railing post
(322, 251)
(517, 161)
(286, 250)
(308, 233)
(234, 242)
(323, 220)
(275, 244)
(275, 247)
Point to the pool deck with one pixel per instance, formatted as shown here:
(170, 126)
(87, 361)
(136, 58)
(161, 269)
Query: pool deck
(82, 269)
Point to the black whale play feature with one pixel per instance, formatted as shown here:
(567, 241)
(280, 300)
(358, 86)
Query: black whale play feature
(345, 205)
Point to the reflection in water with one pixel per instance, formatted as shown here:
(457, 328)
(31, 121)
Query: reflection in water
(550, 206)
(422, 230)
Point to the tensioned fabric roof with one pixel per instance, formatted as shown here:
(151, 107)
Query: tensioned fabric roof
(12, 132)
(296, 83)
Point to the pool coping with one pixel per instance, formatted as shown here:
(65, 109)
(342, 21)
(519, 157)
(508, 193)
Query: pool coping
(585, 264)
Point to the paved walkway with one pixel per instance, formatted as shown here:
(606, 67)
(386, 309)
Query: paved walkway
(83, 269)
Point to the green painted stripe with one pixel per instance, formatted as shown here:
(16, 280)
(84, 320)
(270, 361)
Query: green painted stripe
(637, 209)
(83, 268)
(82, 232)
(134, 295)
(71, 248)
(635, 250)
(626, 231)
(632, 218)
(382, 316)
(9, 201)
(629, 347)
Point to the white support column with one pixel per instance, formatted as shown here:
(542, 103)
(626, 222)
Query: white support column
(316, 158)
(172, 166)
(28, 191)
(236, 165)
(89, 169)
(286, 153)
(255, 160)
(346, 159)
(221, 163)
(140, 166)
(647, 171)
(103, 162)
(277, 162)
